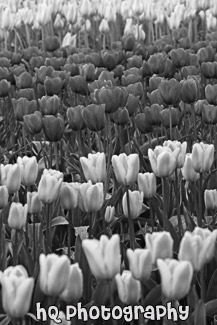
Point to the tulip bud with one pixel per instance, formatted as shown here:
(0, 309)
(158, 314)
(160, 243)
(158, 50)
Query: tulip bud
(129, 289)
(104, 26)
(113, 98)
(17, 216)
(94, 167)
(53, 127)
(103, 256)
(51, 43)
(189, 91)
(4, 195)
(69, 196)
(188, 171)
(88, 71)
(176, 144)
(11, 177)
(109, 214)
(163, 160)
(90, 197)
(78, 85)
(33, 123)
(94, 117)
(75, 119)
(132, 104)
(143, 122)
(49, 105)
(49, 186)
(202, 157)
(136, 204)
(109, 61)
(126, 168)
(210, 199)
(17, 291)
(211, 94)
(5, 87)
(160, 245)
(157, 63)
(29, 170)
(24, 80)
(172, 273)
(198, 247)
(180, 57)
(53, 86)
(147, 184)
(33, 203)
(209, 114)
(140, 261)
(121, 116)
(169, 91)
(74, 287)
(54, 273)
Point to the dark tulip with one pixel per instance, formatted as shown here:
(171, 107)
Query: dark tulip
(23, 106)
(134, 61)
(36, 62)
(142, 122)
(169, 69)
(118, 71)
(33, 123)
(53, 127)
(6, 54)
(40, 90)
(189, 90)
(113, 98)
(73, 69)
(155, 97)
(211, 94)
(193, 60)
(185, 43)
(94, 117)
(132, 104)
(146, 69)
(97, 84)
(53, 86)
(135, 71)
(4, 73)
(180, 57)
(24, 80)
(93, 58)
(209, 69)
(154, 82)
(175, 117)
(121, 116)
(169, 91)
(29, 52)
(75, 119)
(129, 42)
(51, 43)
(18, 70)
(209, 114)
(189, 71)
(157, 63)
(136, 89)
(78, 85)
(88, 71)
(49, 105)
(42, 73)
(199, 105)
(106, 75)
(16, 58)
(56, 63)
(206, 54)
(185, 107)
(130, 79)
(5, 87)
(109, 60)
(154, 114)
(27, 93)
(4, 63)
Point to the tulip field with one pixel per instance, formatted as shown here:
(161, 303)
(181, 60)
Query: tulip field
(108, 162)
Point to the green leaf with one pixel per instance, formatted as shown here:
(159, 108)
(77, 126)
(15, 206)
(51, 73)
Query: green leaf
(5, 321)
(153, 298)
(212, 288)
(101, 293)
(200, 314)
(211, 308)
(58, 221)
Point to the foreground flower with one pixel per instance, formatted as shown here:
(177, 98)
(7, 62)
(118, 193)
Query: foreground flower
(140, 261)
(49, 185)
(160, 244)
(210, 199)
(11, 177)
(17, 216)
(94, 167)
(126, 168)
(188, 171)
(136, 204)
(17, 289)
(176, 278)
(54, 273)
(33, 203)
(4, 195)
(147, 184)
(163, 160)
(109, 214)
(198, 247)
(129, 289)
(103, 256)
(74, 287)
(29, 170)
(173, 145)
(69, 195)
(202, 157)
(90, 197)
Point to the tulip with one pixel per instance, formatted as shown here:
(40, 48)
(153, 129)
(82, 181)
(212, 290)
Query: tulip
(29, 170)
(49, 186)
(129, 289)
(69, 195)
(53, 86)
(113, 98)
(91, 197)
(75, 119)
(188, 171)
(53, 127)
(11, 177)
(103, 256)
(176, 278)
(17, 291)
(22, 107)
(126, 168)
(143, 122)
(176, 144)
(198, 247)
(132, 104)
(210, 93)
(109, 61)
(62, 317)
(94, 167)
(17, 216)
(163, 160)
(24, 80)
(179, 57)
(209, 114)
(202, 157)
(136, 89)
(160, 244)
(210, 199)
(34, 204)
(157, 63)
(175, 116)
(42, 73)
(78, 85)
(4, 88)
(121, 116)
(54, 273)
(74, 287)
(51, 43)
(147, 184)
(94, 117)
(136, 204)
(189, 90)
(169, 91)
(109, 214)
(153, 114)
(49, 105)
(140, 261)
(4, 195)
(33, 123)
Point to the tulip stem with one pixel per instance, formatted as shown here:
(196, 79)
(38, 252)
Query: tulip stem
(131, 225)
(165, 198)
(56, 155)
(48, 230)
(200, 198)
(202, 284)
(194, 121)
(112, 303)
(51, 156)
(69, 232)
(15, 257)
(171, 125)
(109, 151)
(177, 193)
(33, 244)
